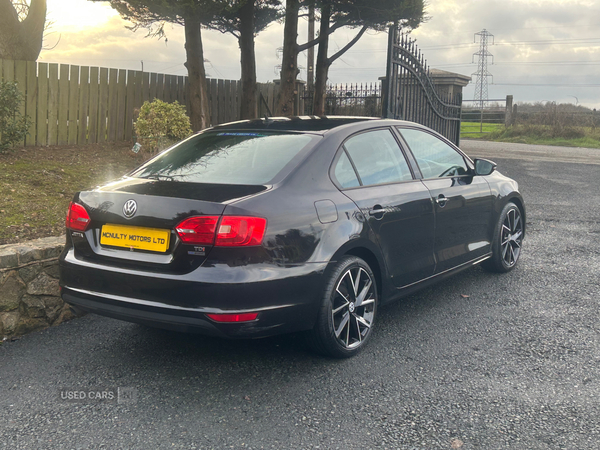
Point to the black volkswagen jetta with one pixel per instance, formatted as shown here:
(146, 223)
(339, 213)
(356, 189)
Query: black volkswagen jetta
(271, 226)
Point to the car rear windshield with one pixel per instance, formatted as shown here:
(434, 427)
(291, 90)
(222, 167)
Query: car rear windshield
(226, 158)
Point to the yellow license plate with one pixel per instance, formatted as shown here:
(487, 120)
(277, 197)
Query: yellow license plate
(153, 239)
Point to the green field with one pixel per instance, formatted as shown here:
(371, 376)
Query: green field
(533, 134)
(475, 129)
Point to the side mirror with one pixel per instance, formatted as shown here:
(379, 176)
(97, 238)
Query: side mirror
(484, 167)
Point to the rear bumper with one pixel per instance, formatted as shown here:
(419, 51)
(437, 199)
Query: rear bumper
(276, 320)
(286, 299)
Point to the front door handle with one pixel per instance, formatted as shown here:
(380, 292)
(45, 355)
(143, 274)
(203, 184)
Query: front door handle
(441, 200)
(377, 211)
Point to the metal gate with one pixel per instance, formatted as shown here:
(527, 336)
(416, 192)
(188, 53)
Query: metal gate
(410, 94)
(352, 99)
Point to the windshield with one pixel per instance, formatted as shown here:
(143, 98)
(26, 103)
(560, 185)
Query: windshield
(226, 158)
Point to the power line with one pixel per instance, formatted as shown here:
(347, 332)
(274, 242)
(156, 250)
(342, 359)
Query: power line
(471, 44)
(548, 27)
(547, 84)
(595, 27)
(529, 63)
(550, 41)
(542, 63)
(573, 41)
(444, 47)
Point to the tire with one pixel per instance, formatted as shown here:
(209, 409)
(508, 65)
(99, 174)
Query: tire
(348, 309)
(508, 239)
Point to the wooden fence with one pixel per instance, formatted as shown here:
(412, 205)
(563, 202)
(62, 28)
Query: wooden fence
(76, 105)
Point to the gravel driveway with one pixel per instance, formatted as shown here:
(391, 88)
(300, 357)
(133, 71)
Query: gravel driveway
(479, 361)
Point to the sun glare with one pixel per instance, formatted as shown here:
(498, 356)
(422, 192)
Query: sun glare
(69, 15)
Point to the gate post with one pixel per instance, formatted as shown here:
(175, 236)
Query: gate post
(459, 123)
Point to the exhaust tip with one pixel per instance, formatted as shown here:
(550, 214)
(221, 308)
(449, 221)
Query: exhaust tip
(76, 310)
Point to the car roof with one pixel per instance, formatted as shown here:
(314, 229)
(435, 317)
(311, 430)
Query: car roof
(297, 123)
(321, 125)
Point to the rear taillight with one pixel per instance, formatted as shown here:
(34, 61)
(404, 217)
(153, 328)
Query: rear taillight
(240, 231)
(229, 231)
(245, 317)
(78, 218)
(198, 230)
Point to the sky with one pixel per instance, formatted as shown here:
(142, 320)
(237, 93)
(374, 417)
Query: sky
(543, 50)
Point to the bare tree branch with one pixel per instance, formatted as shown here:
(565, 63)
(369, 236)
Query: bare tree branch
(346, 47)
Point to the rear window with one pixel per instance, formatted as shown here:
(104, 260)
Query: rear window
(226, 158)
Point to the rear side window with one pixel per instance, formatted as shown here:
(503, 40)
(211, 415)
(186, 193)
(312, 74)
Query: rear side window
(226, 158)
(344, 172)
(377, 158)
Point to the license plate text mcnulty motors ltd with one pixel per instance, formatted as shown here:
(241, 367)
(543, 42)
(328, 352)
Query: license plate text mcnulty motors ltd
(152, 239)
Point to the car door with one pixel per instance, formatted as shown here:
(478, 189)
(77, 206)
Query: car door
(462, 201)
(371, 170)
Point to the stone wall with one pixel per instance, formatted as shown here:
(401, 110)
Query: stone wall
(29, 294)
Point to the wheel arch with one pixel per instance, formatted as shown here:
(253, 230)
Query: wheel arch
(517, 200)
(370, 253)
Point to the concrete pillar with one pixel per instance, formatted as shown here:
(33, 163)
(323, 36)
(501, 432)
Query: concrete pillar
(508, 116)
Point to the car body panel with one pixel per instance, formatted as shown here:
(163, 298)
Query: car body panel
(404, 230)
(462, 221)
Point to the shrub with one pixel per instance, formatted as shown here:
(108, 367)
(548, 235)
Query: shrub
(13, 126)
(161, 124)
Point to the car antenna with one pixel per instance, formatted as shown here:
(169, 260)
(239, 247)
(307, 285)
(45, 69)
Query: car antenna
(268, 111)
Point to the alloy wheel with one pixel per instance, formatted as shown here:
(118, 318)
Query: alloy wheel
(353, 308)
(511, 237)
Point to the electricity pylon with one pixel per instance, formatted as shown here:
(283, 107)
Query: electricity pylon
(481, 85)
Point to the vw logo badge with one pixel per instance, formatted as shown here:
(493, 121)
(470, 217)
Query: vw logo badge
(129, 208)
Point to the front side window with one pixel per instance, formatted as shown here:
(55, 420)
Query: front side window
(226, 158)
(434, 157)
(376, 157)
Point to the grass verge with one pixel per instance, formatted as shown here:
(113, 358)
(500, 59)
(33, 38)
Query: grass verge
(37, 184)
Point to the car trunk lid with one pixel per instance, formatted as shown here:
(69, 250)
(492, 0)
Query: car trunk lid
(133, 221)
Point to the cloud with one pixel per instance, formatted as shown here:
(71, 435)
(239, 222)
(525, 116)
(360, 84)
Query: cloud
(535, 45)
(112, 45)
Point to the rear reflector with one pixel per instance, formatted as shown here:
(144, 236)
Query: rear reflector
(198, 230)
(77, 217)
(227, 231)
(246, 317)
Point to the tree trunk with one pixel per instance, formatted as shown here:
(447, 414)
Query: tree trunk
(22, 40)
(322, 66)
(248, 106)
(323, 63)
(289, 64)
(199, 107)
